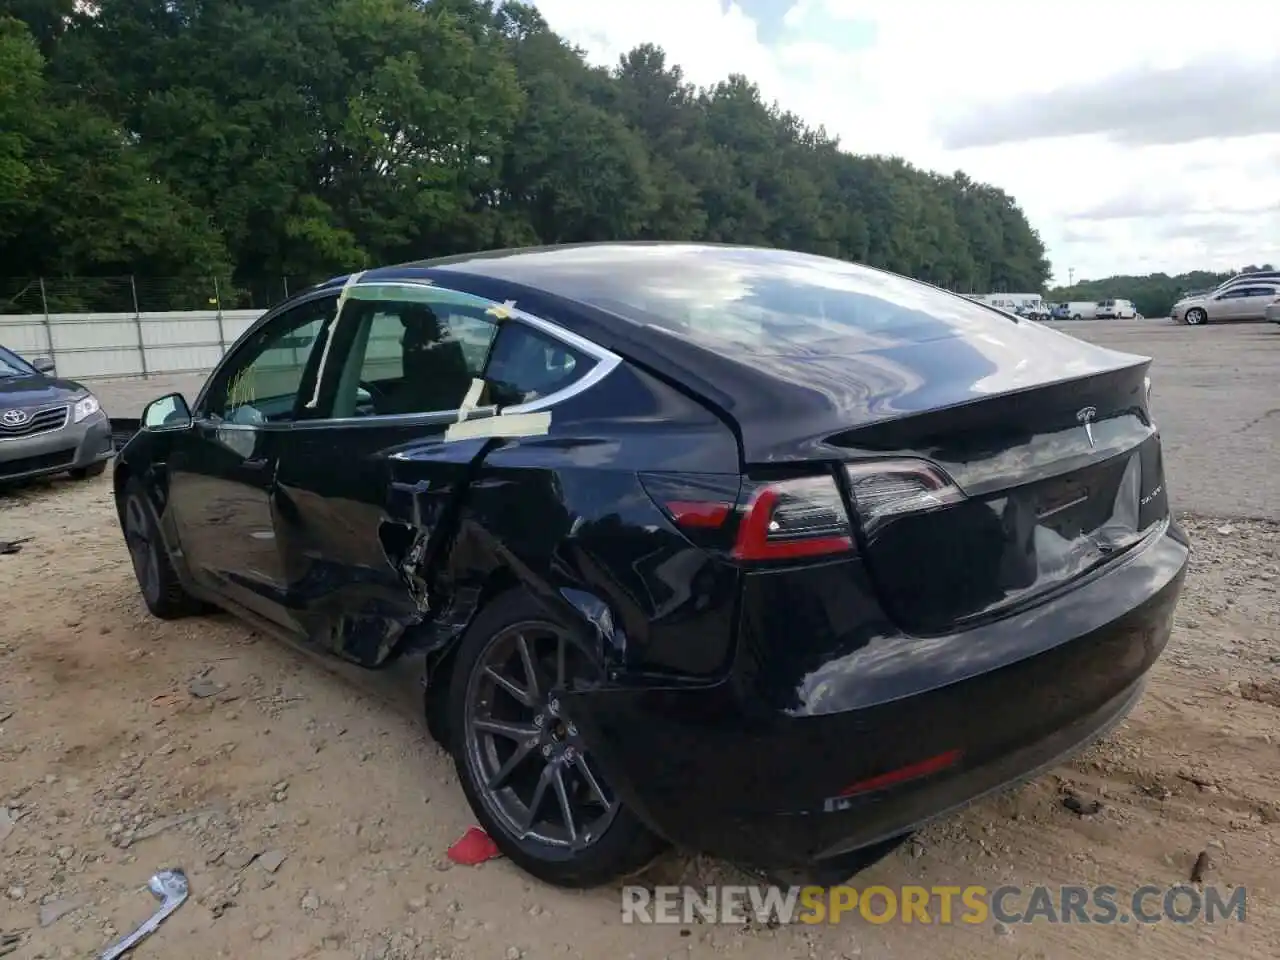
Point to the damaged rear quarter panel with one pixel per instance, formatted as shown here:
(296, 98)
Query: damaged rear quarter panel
(564, 514)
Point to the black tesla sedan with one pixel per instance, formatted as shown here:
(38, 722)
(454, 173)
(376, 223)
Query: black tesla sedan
(759, 553)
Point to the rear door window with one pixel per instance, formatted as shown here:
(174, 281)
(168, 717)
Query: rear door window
(526, 365)
(419, 349)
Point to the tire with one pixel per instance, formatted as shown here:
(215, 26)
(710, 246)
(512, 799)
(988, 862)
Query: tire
(1196, 317)
(508, 626)
(92, 470)
(1076, 316)
(158, 582)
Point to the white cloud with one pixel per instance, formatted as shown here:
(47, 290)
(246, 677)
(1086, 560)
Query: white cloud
(892, 76)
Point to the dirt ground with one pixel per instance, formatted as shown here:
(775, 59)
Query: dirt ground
(128, 744)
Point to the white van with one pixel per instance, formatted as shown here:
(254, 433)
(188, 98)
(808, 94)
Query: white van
(1116, 310)
(1079, 310)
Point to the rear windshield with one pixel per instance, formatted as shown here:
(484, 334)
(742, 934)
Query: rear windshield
(738, 300)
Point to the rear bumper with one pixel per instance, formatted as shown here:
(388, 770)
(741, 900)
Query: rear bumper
(74, 446)
(753, 768)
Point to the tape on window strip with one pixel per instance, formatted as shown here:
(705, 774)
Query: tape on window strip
(328, 341)
(471, 399)
(504, 425)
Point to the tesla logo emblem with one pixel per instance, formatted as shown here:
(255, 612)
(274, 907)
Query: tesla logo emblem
(14, 418)
(1085, 416)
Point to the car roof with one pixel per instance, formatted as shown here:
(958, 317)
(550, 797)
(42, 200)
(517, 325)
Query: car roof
(599, 291)
(741, 327)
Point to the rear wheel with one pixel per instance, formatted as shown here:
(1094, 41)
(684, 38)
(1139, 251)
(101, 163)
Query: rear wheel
(161, 589)
(93, 470)
(526, 769)
(1196, 316)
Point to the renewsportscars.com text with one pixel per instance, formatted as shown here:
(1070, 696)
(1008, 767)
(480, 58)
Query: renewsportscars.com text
(1104, 904)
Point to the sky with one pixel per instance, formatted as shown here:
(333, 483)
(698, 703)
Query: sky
(1137, 136)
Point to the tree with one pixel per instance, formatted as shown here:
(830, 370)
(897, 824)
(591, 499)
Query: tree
(312, 137)
(77, 195)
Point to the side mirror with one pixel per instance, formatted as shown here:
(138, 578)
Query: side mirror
(169, 412)
(43, 365)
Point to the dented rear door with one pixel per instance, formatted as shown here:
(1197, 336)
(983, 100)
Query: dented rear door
(361, 505)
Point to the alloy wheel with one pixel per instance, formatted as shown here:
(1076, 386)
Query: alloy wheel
(531, 766)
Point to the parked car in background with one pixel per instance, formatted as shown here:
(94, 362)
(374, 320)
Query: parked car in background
(1273, 312)
(1081, 310)
(1116, 310)
(1241, 302)
(1249, 279)
(668, 584)
(47, 425)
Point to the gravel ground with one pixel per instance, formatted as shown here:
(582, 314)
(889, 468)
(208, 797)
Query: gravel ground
(1217, 400)
(312, 812)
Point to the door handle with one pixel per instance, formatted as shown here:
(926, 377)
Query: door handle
(256, 463)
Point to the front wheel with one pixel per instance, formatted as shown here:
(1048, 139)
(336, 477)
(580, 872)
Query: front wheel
(158, 582)
(527, 771)
(1196, 317)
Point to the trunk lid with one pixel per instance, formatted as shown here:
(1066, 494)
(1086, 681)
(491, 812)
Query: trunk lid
(1058, 480)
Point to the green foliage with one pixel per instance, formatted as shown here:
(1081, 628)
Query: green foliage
(304, 138)
(1153, 295)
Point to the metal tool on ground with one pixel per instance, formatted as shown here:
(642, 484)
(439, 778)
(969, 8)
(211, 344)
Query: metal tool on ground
(12, 546)
(171, 888)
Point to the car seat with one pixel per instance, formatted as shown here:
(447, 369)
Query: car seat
(436, 375)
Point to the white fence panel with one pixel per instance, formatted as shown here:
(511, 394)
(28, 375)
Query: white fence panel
(104, 331)
(94, 345)
(182, 359)
(24, 336)
(87, 364)
(236, 322)
(196, 331)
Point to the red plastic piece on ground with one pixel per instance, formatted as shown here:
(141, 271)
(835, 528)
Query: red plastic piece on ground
(475, 847)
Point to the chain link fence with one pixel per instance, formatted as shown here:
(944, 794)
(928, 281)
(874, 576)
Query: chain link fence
(140, 294)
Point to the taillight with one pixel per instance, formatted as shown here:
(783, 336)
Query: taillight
(885, 489)
(701, 504)
(798, 518)
(790, 519)
(756, 520)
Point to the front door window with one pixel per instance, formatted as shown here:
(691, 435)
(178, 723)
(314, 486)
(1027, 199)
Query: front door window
(263, 381)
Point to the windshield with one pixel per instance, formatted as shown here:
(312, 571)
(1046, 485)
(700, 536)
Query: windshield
(11, 365)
